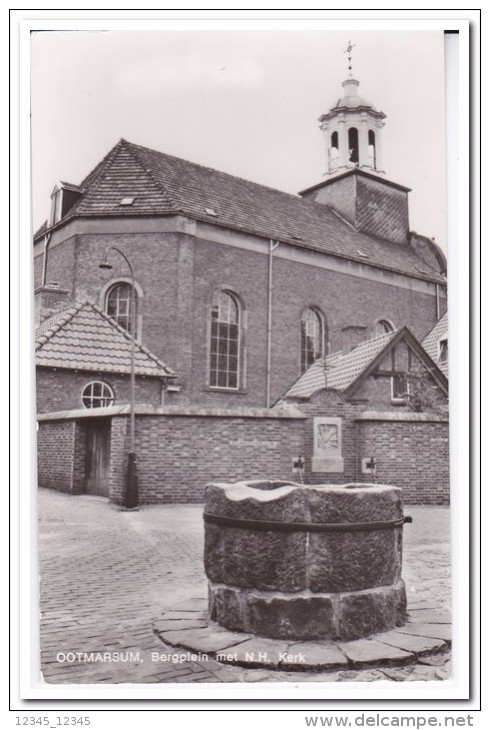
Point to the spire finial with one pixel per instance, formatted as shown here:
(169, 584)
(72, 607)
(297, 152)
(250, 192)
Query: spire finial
(348, 50)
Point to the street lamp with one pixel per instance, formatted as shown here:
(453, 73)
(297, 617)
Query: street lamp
(130, 496)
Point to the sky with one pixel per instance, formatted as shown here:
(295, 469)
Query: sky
(244, 102)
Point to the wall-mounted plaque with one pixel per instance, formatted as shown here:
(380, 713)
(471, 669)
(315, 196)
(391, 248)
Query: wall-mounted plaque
(327, 445)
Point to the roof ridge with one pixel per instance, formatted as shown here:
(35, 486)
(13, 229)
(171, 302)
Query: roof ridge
(93, 184)
(98, 169)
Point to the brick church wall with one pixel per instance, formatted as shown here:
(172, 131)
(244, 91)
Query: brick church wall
(178, 274)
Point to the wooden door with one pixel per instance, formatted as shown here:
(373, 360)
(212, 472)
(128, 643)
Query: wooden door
(97, 457)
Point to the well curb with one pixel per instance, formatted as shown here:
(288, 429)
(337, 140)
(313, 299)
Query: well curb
(187, 626)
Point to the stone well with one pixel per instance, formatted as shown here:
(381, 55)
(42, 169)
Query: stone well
(286, 560)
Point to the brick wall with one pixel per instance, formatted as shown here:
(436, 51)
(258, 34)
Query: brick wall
(56, 448)
(345, 301)
(411, 455)
(328, 403)
(178, 275)
(49, 301)
(59, 390)
(118, 457)
(79, 457)
(179, 455)
(410, 449)
(61, 263)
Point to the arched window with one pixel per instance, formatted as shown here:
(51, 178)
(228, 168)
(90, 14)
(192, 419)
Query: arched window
(118, 304)
(353, 145)
(97, 394)
(225, 344)
(372, 147)
(312, 337)
(333, 152)
(383, 327)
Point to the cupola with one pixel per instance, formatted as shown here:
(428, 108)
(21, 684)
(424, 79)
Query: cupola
(352, 130)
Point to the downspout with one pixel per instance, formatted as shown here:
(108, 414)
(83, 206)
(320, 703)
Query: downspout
(272, 248)
(438, 304)
(357, 452)
(47, 239)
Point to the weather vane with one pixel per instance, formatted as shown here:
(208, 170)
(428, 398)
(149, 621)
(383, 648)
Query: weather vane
(348, 50)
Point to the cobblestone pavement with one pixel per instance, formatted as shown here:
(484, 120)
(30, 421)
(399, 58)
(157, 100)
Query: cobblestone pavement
(107, 575)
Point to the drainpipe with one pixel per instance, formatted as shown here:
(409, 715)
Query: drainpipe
(272, 248)
(357, 452)
(438, 303)
(47, 239)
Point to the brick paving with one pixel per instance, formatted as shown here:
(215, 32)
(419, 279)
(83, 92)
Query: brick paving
(107, 577)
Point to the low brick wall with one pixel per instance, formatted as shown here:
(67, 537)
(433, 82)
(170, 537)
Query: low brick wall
(180, 451)
(179, 454)
(56, 455)
(411, 454)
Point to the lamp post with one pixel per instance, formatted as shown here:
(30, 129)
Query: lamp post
(130, 496)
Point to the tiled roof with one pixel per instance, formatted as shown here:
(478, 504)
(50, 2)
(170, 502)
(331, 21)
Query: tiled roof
(83, 337)
(163, 185)
(430, 343)
(341, 370)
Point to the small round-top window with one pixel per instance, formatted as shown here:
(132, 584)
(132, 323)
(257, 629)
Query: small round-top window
(97, 395)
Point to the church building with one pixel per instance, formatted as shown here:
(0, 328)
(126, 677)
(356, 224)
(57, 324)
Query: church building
(227, 319)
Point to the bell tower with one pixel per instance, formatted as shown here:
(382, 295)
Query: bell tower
(354, 184)
(352, 130)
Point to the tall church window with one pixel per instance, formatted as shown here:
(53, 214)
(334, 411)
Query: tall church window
(118, 304)
(372, 148)
(354, 145)
(312, 337)
(334, 145)
(225, 344)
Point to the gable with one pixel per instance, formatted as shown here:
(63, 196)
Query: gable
(402, 376)
(83, 337)
(384, 356)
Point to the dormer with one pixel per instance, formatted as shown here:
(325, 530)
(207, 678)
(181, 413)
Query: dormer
(63, 198)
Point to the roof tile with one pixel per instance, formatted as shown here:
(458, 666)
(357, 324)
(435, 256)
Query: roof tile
(339, 371)
(83, 337)
(431, 342)
(162, 185)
